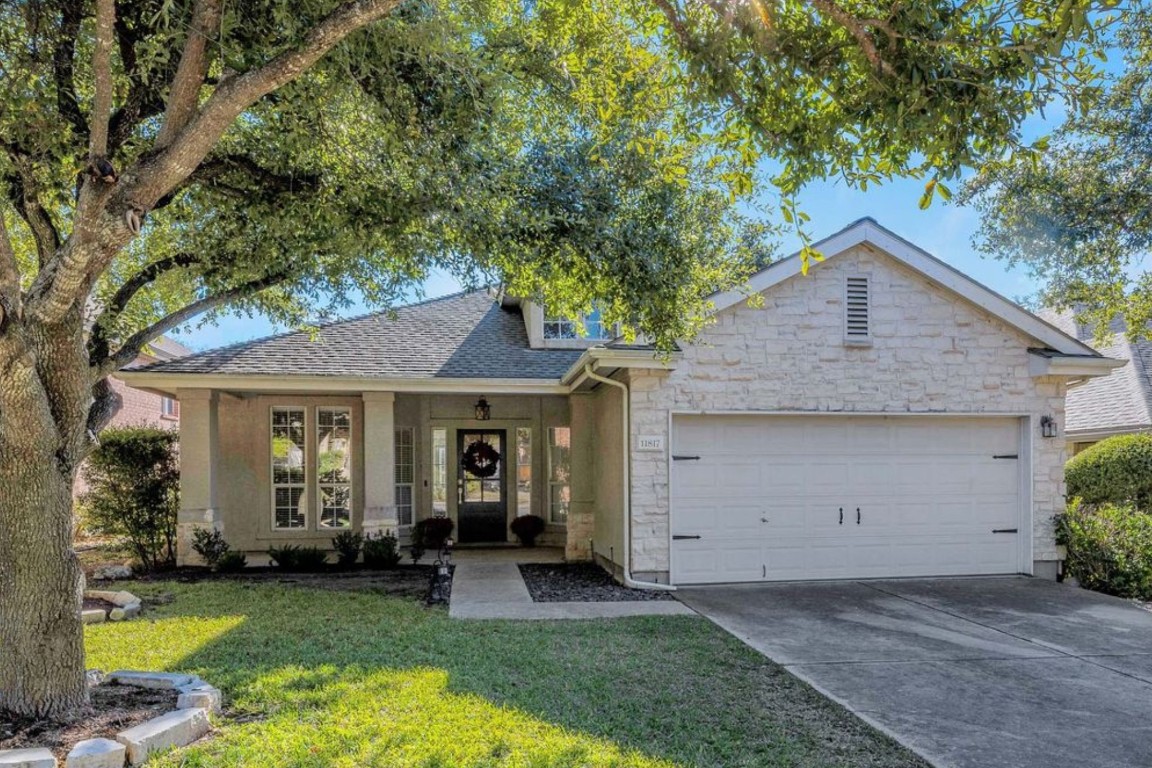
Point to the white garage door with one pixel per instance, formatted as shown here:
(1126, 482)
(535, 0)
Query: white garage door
(768, 498)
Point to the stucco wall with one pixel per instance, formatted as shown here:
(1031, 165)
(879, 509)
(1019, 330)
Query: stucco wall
(931, 352)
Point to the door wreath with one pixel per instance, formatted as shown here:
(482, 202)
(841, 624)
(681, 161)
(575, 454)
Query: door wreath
(481, 460)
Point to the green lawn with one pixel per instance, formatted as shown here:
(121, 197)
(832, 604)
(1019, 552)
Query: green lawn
(327, 679)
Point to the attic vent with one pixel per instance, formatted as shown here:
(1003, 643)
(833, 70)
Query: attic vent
(857, 321)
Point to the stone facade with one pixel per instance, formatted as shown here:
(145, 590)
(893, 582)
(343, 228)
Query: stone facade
(931, 352)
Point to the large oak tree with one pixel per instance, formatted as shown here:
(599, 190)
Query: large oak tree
(165, 160)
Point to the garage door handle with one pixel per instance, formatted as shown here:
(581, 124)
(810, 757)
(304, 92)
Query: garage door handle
(685, 458)
(841, 515)
(1005, 530)
(681, 538)
(857, 515)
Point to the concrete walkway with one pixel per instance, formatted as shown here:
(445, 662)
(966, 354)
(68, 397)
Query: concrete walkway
(487, 585)
(970, 673)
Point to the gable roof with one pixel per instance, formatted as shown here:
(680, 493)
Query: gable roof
(1118, 402)
(868, 231)
(463, 336)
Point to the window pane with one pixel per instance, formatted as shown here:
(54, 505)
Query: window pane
(288, 476)
(523, 471)
(559, 473)
(335, 506)
(334, 445)
(440, 471)
(405, 461)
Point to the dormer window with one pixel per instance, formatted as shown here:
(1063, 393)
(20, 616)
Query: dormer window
(588, 326)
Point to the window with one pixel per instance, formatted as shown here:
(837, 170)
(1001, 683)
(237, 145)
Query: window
(559, 472)
(523, 471)
(440, 472)
(169, 408)
(288, 476)
(857, 320)
(334, 466)
(591, 325)
(405, 474)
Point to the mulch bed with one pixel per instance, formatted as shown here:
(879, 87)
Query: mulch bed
(579, 583)
(403, 581)
(113, 708)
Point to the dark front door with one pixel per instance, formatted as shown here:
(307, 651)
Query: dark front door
(483, 514)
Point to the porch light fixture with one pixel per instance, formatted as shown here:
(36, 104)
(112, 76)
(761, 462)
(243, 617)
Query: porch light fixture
(1048, 427)
(483, 410)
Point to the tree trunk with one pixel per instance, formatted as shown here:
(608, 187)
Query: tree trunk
(41, 636)
(41, 421)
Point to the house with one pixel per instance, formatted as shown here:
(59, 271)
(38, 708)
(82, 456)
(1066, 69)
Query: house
(881, 416)
(1117, 404)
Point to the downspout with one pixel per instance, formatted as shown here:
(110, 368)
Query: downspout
(626, 428)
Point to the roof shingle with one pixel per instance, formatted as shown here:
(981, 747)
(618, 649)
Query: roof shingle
(465, 335)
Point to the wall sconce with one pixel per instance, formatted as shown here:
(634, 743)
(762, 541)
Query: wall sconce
(483, 410)
(1048, 427)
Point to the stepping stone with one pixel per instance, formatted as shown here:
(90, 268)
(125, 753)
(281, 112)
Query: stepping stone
(159, 680)
(175, 729)
(93, 616)
(27, 758)
(97, 753)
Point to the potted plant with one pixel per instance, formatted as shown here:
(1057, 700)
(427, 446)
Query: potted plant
(527, 528)
(432, 531)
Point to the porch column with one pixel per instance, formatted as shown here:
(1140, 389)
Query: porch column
(582, 509)
(199, 469)
(379, 463)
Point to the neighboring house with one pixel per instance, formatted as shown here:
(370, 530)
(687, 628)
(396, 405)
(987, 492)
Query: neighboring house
(880, 417)
(1117, 404)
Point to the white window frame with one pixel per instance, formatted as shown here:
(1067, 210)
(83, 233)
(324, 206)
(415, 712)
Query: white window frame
(523, 496)
(321, 484)
(568, 329)
(303, 486)
(851, 287)
(438, 471)
(408, 433)
(169, 408)
(554, 485)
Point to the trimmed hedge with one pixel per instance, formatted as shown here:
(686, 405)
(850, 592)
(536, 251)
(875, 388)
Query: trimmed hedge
(1109, 548)
(1114, 471)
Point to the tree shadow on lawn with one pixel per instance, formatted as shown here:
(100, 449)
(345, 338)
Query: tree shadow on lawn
(316, 678)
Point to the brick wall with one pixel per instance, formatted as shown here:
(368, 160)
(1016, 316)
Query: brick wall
(931, 352)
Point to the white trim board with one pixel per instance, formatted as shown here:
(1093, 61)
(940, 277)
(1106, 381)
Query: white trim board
(868, 231)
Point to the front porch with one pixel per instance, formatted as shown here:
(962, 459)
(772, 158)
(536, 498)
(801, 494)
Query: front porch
(272, 468)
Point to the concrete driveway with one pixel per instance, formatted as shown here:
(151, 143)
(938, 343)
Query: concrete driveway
(968, 672)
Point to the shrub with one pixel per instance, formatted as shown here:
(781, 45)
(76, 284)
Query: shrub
(347, 545)
(527, 528)
(1109, 548)
(381, 551)
(416, 550)
(432, 531)
(210, 545)
(292, 557)
(134, 483)
(1117, 470)
(232, 561)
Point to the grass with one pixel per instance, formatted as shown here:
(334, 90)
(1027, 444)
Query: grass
(325, 679)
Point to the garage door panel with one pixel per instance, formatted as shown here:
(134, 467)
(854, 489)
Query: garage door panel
(928, 490)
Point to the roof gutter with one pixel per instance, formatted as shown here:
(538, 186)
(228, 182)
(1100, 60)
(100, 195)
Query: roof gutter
(1076, 366)
(590, 373)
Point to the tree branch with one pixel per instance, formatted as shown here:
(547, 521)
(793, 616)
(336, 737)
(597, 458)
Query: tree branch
(102, 79)
(184, 95)
(858, 29)
(23, 194)
(98, 342)
(64, 68)
(102, 230)
(9, 278)
(130, 349)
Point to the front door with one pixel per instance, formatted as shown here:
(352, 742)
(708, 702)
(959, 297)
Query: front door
(482, 514)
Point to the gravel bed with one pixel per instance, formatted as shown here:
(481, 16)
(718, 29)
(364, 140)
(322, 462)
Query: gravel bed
(579, 583)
